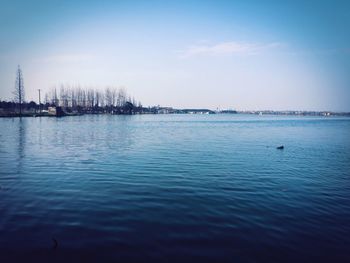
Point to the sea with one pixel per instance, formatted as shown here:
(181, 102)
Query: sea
(175, 188)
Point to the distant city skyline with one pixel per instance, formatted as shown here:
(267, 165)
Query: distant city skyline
(244, 55)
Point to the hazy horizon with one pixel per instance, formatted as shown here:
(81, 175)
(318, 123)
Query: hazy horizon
(243, 55)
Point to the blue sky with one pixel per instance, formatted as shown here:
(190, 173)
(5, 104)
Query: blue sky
(228, 54)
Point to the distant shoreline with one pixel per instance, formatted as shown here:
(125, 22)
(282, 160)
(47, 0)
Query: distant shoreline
(167, 111)
(32, 109)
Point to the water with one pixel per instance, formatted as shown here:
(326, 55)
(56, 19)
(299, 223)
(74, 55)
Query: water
(175, 188)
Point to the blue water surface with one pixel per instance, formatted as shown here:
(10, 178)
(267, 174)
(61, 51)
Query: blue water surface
(175, 188)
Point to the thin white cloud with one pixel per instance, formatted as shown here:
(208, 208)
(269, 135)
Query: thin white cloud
(227, 48)
(67, 58)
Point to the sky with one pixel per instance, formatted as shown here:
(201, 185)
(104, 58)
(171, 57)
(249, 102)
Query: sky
(244, 55)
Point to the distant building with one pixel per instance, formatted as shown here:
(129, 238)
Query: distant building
(165, 110)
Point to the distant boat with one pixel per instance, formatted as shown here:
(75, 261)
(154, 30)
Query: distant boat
(55, 111)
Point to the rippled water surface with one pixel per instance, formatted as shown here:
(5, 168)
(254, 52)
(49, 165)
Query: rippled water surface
(175, 188)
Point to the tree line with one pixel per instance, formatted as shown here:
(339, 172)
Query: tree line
(81, 100)
(78, 98)
(74, 99)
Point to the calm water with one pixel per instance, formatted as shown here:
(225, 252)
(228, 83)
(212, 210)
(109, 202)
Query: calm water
(175, 188)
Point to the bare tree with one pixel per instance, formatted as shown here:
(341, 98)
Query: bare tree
(80, 96)
(108, 97)
(121, 97)
(98, 98)
(46, 98)
(54, 97)
(64, 96)
(73, 98)
(114, 96)
(19, 89)
(83, 99)
(91, 98)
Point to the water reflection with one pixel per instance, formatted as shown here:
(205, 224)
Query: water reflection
(40, 132)
(123, 134)
(21, 143)
(118, 132)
